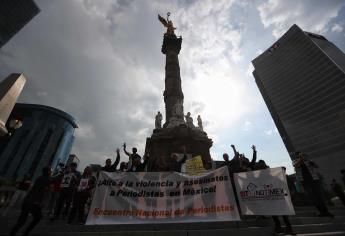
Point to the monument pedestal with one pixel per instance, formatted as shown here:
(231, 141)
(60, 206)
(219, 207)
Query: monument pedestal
(166, 141)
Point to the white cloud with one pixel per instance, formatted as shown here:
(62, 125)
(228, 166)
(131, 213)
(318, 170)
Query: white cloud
(310, 15)
(85, 130)
(337, 28)
(268, 132)
(247, 125)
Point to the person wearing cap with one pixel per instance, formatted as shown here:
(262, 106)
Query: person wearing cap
(306, 174)
(112, 167)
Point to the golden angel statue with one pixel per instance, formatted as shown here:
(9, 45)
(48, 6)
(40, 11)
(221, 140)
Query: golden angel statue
(168, 24)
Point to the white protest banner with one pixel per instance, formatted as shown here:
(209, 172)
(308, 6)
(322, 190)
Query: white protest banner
(264, 192)
(162, 197)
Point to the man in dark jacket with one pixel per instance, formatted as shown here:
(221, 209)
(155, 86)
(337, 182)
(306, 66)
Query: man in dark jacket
(112, 167)
(233, 165)
(306, 174)
(32, 203)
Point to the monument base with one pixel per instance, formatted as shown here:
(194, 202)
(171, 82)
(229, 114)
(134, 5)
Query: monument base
(166, 141)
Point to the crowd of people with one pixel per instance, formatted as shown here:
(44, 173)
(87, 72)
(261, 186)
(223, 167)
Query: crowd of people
(68, 192)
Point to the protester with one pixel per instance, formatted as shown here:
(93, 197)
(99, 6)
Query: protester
(245, 165)
(131, 156)
(305, 173)
(175, 164)
(338, 190)
(123, 166)
(233, 165)
(68, 186)
(32, 203)
(277, 226)
(160, 164)
(55, 188)
(86, 183)
(112, 167)
(137, 166)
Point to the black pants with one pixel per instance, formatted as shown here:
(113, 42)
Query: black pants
(78, 205)
(277, 224)
(315, 194)
(27, 208)
(65, 198)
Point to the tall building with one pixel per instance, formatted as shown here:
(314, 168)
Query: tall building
(14, 15)
(301, 78)
(45, 138)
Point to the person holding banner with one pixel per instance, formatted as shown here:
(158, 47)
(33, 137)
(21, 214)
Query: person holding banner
(68, 186)
(175, 164)
(137, 166)
(85, 186)
(306, 174)
(112, 167)
(160, 165)
(277, 225)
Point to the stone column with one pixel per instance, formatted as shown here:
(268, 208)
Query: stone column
(10, 89)
(173, 95)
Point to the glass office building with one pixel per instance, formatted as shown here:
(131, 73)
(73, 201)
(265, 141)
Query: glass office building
(45, 139)
(301, 78)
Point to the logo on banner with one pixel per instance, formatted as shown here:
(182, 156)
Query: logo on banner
(262, 192)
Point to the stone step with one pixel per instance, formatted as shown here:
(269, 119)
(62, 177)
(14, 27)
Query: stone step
(311, 229)
(59, 225)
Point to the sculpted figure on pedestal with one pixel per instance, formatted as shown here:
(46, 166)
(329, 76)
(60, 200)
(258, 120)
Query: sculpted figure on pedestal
(189, 120)
(158, 120)
(200, 123)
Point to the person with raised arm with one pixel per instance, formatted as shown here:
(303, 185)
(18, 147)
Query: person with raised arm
(112, 167)
(131, 156)
(234, 164)
(137, 166)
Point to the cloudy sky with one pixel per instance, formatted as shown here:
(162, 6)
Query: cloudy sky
(100, 61)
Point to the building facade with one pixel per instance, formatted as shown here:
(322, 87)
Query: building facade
(301, 78)
(45, 139)
(14, 15)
